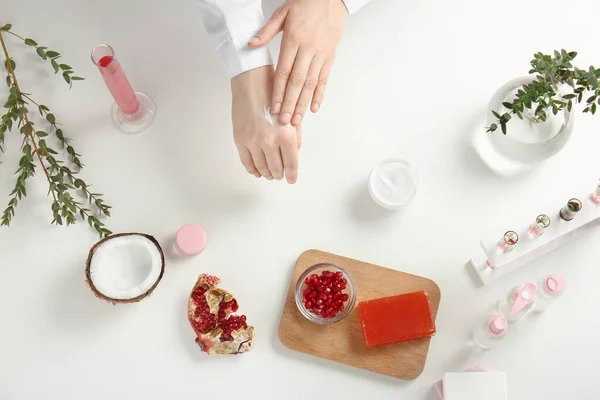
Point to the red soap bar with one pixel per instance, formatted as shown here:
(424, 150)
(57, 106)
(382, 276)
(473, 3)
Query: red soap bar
(397, 318)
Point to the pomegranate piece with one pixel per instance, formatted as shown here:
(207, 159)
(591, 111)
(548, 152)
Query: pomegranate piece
(210, 312)
(323, 295)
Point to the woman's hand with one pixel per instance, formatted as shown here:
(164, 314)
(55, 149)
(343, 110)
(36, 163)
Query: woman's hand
(312, 30)
(266, 147)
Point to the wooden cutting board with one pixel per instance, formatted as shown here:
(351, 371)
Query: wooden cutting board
(344, 341)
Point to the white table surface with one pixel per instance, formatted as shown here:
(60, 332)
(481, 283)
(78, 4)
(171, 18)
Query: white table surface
(411, 80)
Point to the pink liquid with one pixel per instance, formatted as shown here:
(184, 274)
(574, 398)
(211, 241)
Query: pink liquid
(506, 247)
(118, 85)
(535, 230)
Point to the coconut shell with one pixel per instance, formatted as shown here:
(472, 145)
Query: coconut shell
(100, 295)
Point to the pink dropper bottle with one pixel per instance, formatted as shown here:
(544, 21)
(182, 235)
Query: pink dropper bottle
(490, 332)
(549, 290)
(518, 302)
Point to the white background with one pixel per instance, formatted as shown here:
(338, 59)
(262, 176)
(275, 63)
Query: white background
(411, 79)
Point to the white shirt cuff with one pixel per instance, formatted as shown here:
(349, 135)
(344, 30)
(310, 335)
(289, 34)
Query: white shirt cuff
(238, 57)
(354, 5)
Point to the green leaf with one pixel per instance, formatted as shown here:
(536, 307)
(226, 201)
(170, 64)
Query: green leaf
(594, 107)
(55, 66)
(66, 77)
(41, 53)
(50, 118)
(508, 105)
(10, 65)
(65, 67)
(30, 42)
(77, 78)
(52, 54)
(41, 134)
(503, 126)
(8, 81)
(6, 27)
(569, 96)
(496, 114)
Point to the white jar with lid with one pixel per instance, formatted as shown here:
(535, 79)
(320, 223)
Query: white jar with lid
(393, 183)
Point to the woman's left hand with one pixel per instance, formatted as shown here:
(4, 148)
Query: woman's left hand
(312, 30)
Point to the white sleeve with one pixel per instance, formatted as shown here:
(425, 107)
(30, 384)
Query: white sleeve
(354, 5)
(232, 24)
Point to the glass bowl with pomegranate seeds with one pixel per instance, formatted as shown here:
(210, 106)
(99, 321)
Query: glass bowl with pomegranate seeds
(325, 294)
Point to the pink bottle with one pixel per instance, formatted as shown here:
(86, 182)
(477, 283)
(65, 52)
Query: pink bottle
(542, 222)
(490, 332)
(508, 242)
(517, 302)
(549, 290)
(595, 197)
(133, 111)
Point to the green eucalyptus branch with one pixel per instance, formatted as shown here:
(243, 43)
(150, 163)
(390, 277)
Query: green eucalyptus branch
(543, 95)
(63, 182)
(45, 54)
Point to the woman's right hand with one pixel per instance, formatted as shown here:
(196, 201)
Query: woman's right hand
(266, 147)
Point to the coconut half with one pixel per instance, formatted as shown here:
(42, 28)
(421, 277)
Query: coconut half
(125, 268)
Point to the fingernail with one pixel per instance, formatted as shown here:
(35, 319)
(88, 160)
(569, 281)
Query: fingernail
(277, 108)
(297, 119)
(316, 107)
(255, 39)
(285, 118)
(269, 178)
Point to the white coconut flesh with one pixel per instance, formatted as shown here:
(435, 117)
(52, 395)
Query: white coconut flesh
(125, 267)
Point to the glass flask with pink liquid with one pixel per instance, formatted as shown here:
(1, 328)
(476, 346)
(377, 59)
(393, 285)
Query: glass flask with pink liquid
(133, 111)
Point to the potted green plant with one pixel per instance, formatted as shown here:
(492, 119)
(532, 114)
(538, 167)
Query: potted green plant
(534, 113)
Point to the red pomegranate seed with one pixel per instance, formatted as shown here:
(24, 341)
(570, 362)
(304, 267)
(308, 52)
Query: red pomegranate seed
(104, 61)
(322, 295)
